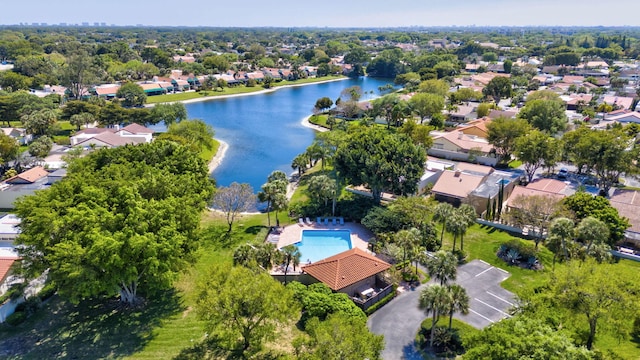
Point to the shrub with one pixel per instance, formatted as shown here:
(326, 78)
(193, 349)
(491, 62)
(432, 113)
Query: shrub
(516, 251)
(382, 302)
(30, 306)
(16, 318)
(446, 342)
(46, 292)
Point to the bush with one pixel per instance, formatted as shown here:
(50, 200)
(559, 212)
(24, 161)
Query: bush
(30, 306)
(446, 342)
(46, 292)
(636, 328)
(16, 318)
(516, 251)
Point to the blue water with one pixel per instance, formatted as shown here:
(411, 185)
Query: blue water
(263, 131)
(316, 245)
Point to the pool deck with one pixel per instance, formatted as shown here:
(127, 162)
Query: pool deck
(359, 234)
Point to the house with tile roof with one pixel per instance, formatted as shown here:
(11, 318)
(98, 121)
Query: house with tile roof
(627, 202)
(454, 187)
(456, 145)
(621, 102)
(137, 131)
(25, 183)
(353, 272)
(28, 177)
(88, 133)
(19, 134)
(111, 140)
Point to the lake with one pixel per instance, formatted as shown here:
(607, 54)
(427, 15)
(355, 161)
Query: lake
(264, 131)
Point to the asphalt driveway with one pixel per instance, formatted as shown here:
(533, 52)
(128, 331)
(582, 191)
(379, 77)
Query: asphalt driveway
(399, 321)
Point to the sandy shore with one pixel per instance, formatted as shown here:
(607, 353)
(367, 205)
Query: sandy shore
(305, 122)
(264, 91)
(217, 159)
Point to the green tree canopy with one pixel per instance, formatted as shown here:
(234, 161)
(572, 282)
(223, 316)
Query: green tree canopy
(499, 87)
(197, 133)
(131, 94)
(243, 309)
(123, 220)
(502, 134)
(545, 115)
(583, 205)
(380, 160)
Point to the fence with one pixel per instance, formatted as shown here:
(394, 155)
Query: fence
(365, 304)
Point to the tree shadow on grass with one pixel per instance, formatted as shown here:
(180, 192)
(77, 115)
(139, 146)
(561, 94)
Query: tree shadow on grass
(98, 329)
(255, 229)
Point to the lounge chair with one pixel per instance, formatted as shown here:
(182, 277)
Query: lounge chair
(300, 222)
(341, 221)
(319, 220)
(333, 221)
(326, 221)
(308, 221)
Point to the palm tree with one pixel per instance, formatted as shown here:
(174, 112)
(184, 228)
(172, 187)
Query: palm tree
(291, 255)
(467, 215)
(457, 226)
(407, 240)
(243, 254)
(434, 299)
(563, 228)
(441, 213)
(442, 266)
(459, 301)
(300, 163)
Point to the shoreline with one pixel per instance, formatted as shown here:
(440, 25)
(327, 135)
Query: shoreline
(258, 92)
(219, 156)
(306, 123)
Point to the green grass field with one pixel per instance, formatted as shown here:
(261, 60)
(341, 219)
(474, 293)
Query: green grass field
(231, 90)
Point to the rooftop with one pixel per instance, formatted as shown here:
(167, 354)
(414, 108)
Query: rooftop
(456, 184)
(346, 268)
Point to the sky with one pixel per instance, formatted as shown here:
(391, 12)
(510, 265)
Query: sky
(324, 13)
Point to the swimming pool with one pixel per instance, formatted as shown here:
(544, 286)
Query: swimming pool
(316, 245)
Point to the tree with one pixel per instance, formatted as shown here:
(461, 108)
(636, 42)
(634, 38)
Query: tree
(39, 122)
(523, 338)
(426, 105)
(78, 74)
(197, 133)
(380, 160)
(592, 231)
(502, 134)
(233, 200)
(133, 212)
(467, 215)
(9, 148)
(459, 302)
(41, 147)
(338, 337)
(82, 119)
(321, 189)
(583, 205)
(436, 87)
(407, 240)
(323, 103)
(545, 115)
(598, 293)
(275, 186)
(534, 212)
(563, 229)
(499, 87)
(441, 213)
(533, 149)
(169, 113)
(243, 309)
(434, 299)
(442, 266)
(131, 94)
(300, 163)
(384, 107)
(291, 255)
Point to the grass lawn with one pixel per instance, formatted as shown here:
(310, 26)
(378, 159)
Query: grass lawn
(514, 164)
(166, 325)
(230, 90)
(207, 154)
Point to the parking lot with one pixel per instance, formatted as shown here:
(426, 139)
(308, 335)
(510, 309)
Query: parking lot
(489, 302)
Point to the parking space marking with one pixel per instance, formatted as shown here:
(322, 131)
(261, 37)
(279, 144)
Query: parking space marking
(494, 308)
(484, 271)
(484, 262)
(504, 271)
(482, 316)
(499, 298)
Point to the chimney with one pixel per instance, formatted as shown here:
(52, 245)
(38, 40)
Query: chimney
(460, 135)
(457, 173)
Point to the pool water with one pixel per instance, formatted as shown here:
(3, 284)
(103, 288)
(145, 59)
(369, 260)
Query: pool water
(316, 245)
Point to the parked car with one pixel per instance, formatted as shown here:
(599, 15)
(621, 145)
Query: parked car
(563, 173)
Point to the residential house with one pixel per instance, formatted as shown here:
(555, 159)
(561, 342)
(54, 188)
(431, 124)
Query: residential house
(184, 59)
(353, 272)
(455, 186)
(21, 135)
(106, 91)
(574, 101)
(258, 76)
(463, 113)
(272, 73)
(620, 102)
(136, 131)
(625, 117)
(498, 68)
(627, 202)
(496, 186)
(456, 145)
(509, 114)
(88, 133)
(110, 140)
(9, 230)
(155, 88)
(25, 183)
(433, 168)
(477, 128)
(553, 190)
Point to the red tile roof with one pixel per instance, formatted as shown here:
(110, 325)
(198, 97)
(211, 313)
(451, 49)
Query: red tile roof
(31, 175)
(5, 265)
(519, 191)
(456, 184)
(627, 202)
(346, 268)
